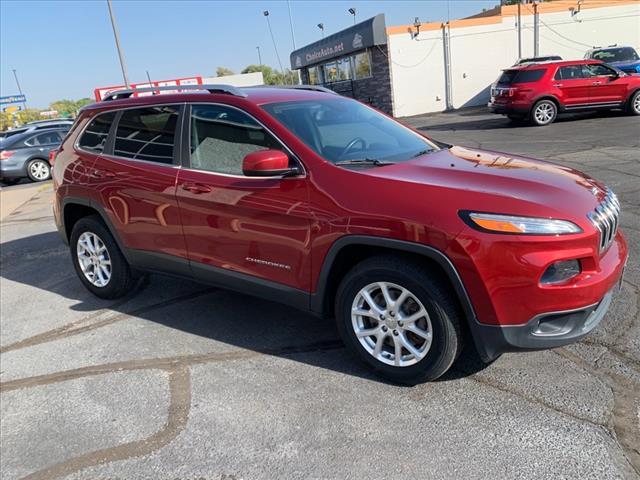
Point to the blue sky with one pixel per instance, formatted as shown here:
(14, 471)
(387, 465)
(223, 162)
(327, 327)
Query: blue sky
(64, 49)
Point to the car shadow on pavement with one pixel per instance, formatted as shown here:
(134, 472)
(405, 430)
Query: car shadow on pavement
(208, 312)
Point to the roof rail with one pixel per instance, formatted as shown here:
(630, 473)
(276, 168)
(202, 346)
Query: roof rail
(126, 93)
(316, 88)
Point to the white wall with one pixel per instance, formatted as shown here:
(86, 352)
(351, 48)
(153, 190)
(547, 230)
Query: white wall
(240, 80)
(478, 53)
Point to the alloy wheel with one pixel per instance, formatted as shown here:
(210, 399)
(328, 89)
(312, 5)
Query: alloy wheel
(544, 113)
(391, 324)
(636, 103)
(94, 259)
(39, 170)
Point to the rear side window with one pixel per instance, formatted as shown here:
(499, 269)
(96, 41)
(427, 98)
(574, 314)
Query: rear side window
(95, 135)
(222, 136)
(49, 138)
(570, 72)
(147, 133)
(507, 76)
(526, 76)
(521, 76)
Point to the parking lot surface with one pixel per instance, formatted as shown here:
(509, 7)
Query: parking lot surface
(187, 381)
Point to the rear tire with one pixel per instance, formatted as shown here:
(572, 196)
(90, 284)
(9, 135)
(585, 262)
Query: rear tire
(98, 261)
(424, 326)
(544, 112)
(633, 107)
(38, 170)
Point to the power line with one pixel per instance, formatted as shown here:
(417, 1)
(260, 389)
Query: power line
(415, 64)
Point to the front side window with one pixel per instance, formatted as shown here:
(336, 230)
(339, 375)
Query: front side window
(222, 136)
(569, 72)
(343, 130)
(95, 135)
(147, 133)
(597, 70)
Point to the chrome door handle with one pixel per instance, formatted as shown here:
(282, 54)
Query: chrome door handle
(103, 174)
(557, 84)
(597, 83)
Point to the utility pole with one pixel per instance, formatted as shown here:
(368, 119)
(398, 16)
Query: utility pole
(116, 34)
(447, 66)
(293, 35)
(536, 30)
(15, 75)
(259, 56)
(519, 30)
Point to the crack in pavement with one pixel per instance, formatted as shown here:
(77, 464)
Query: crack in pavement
(84, 325)
(179, 402)
(623, 417)
(177, 417)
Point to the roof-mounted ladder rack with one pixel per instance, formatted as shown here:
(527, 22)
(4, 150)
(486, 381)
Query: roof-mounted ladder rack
(126, 93)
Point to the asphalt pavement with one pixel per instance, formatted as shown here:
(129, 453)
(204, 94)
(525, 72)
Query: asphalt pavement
(185, 381)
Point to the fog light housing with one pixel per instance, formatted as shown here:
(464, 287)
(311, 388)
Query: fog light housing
(560, 272)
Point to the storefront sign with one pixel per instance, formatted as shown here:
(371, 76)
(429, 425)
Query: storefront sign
(12, 99)
(365, 34)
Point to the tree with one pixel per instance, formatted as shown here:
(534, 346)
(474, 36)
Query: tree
(224, 71)
(272, 76)
(69, 108)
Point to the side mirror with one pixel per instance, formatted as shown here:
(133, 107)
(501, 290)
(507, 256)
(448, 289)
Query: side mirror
(267, 163)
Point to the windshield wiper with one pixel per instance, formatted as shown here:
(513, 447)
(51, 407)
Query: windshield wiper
(365, 161)
(423, 152)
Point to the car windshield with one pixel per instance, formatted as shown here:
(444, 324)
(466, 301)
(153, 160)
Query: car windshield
(623, 54)
(347, 132)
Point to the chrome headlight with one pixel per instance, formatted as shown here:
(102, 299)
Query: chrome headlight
(498, 223)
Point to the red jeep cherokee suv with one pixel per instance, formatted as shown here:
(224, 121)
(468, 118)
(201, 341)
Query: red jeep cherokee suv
(540, 91)
(318, 201)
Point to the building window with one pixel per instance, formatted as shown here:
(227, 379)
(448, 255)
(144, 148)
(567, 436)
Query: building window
(315, 75)
(331, 72)
(362, 63)
(344, 69)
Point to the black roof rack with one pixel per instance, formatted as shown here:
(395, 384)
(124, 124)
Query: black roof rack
(316, 88)
(126, 93)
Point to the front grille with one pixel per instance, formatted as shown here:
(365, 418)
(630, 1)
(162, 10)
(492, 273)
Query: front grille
(605, 218)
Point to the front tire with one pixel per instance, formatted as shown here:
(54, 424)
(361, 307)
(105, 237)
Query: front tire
(544, 112)
(633, 108)
(98, 261)
(38, 170)
(400, 319)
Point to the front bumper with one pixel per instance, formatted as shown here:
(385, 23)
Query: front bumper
(544, 331)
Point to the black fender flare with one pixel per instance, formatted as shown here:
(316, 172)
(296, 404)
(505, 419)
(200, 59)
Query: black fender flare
(317, 300)
(86, 202)
(486, 338)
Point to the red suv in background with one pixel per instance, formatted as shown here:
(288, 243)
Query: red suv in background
(320, 202)
(540, 91)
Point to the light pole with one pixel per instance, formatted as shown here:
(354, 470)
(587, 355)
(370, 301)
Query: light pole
(293, 35)
(116, 34)
(259, 56)
(15, 75)
(321, 27)
(266, 14)
(352, 11)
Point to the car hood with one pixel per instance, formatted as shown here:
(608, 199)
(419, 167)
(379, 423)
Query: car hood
(526, 183)
(626, 64)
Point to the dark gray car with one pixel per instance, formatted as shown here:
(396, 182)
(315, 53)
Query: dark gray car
(27, 155)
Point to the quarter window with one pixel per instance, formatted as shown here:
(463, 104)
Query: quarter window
(147, 133)
(222, 136)
(95, 135)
